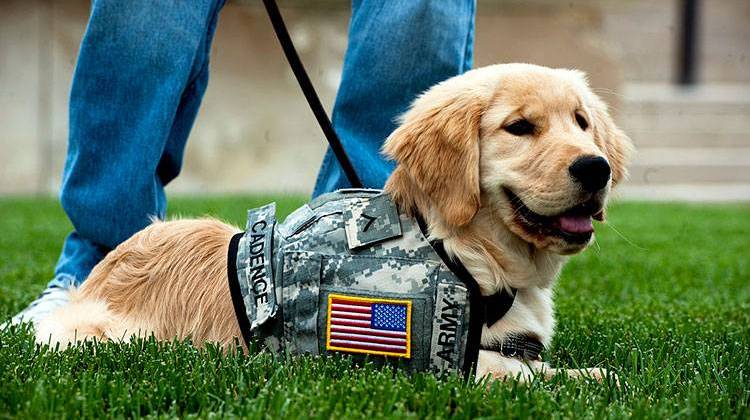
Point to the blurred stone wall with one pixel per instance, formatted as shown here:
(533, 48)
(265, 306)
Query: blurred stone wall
(255, 131)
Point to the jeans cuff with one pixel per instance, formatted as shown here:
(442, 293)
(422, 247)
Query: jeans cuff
(64, 281)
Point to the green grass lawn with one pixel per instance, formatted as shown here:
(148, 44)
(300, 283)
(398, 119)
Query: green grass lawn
(668, 309)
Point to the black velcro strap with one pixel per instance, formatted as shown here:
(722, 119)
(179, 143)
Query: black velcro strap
(497, 305)
(234, 289)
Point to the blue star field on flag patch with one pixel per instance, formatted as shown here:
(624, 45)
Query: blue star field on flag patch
(386, 316)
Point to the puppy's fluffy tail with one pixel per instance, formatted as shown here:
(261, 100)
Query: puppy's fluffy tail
(82, 318)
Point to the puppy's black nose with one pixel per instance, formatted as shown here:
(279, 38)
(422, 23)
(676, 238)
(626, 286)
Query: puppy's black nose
(591, 171)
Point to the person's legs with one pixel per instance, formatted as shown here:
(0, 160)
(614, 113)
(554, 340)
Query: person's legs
(397, 49)
(141, 73)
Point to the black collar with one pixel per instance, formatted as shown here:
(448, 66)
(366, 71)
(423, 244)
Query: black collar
(520, 346)
(497, 305)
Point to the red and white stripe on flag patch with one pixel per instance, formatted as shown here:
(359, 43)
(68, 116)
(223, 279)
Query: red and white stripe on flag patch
(369, 325)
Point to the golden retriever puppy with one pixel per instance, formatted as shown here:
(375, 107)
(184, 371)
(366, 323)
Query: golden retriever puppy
(507, 164)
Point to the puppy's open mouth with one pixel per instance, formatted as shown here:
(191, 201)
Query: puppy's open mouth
(573, 225)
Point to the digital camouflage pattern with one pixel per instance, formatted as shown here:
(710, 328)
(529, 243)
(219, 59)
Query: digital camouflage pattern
(356, 243)
(254, 265)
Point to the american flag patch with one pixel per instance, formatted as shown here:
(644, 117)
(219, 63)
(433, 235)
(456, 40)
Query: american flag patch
(369, 325)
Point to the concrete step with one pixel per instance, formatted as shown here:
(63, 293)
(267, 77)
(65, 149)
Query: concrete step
(680, 156)
(666, 121)
(661, 115)
(723, 96)
(645, 137)
(685, 192)
(664, 165)
(665, 175)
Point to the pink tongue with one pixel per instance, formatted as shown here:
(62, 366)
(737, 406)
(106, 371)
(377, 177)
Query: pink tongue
(576, 224)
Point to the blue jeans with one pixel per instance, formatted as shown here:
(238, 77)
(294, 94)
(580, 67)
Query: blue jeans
(141, 73)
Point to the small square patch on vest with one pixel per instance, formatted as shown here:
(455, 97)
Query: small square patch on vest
(370, 221)
(357, 324)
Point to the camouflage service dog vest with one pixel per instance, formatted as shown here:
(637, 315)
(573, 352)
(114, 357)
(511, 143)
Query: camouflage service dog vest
(349, 273)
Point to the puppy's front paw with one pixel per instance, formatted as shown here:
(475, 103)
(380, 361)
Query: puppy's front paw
(498, 367)
(600, 375)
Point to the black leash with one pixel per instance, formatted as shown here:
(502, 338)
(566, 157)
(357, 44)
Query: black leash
(309, 91)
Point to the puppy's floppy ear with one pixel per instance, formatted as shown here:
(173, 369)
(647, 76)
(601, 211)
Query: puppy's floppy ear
(610, 139)
(437, 148)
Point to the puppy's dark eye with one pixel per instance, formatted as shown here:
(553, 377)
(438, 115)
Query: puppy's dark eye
(520, 128)
(582, 122)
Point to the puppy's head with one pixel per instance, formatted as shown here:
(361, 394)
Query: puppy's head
(533, 146)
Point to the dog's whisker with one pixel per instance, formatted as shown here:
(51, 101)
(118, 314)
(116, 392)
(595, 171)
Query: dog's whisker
(598, 247)
(624, 238)
(610, 92)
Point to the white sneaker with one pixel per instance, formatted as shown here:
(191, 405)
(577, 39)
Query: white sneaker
(51, 298)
